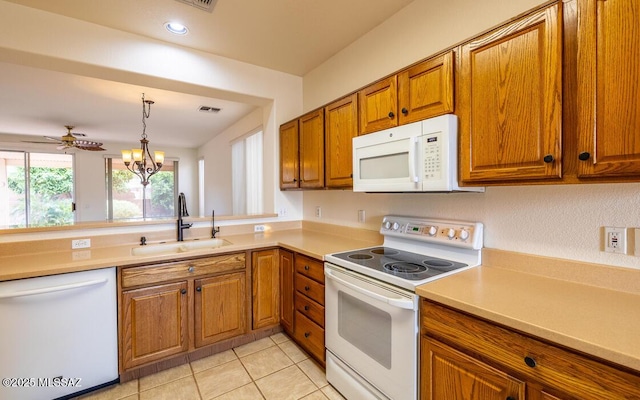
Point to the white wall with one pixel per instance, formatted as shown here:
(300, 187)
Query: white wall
(39, 39)
(559, 220)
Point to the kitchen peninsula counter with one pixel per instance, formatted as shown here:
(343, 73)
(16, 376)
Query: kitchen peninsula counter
(589, 308)
(314, 240)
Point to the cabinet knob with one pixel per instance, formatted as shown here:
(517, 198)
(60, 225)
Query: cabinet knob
(548, 158)
(295, 180)
(306, 308)
(307, 334)
(584, 156)
(530, 361)
(306, 267)
(191, 268)
(405, 111)
(391, 114)
(183, 291)
(511, 398)
(307, 288)
(198, 289)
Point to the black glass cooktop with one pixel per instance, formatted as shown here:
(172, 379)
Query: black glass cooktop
(403, 264)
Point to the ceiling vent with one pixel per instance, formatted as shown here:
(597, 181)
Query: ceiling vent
(208, 109)
(206, 5)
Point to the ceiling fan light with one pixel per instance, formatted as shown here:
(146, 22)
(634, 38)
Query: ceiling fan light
(176, 28)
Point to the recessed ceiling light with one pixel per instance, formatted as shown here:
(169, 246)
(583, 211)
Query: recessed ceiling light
(176, 28)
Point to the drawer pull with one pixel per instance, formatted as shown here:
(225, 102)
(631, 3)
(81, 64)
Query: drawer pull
(306, 308)
(530, 361)
(306, 267)
(183, 291)
(191, 268)
(307, 334)
(307, 288)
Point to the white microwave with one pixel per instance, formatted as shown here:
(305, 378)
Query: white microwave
(417, 157)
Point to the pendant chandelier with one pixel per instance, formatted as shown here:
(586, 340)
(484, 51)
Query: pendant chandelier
(143, 164)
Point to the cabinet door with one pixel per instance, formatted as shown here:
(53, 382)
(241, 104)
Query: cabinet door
(289, 168)
(426, 89)
(220, 308)
(286, 290)
(312, 150)
(341, 126)
(448, 374)
(378, 106)
(154, 323)
(509, 101)
(609, 88)
(265, 276)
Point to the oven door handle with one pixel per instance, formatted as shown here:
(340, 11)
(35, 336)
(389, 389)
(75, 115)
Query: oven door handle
(400, 302)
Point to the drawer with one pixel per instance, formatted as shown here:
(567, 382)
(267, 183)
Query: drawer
(310, 309)
(156, 273)
(310, 288)
(310, 336)
(310, 267)
(550, 365)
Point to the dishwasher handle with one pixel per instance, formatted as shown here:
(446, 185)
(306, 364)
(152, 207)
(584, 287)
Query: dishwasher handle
(51, 289)
(400, 302)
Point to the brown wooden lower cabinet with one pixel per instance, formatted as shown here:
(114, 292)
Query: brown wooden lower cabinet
(265, 276)
(155, 323)
(308, 329)
(220, 308)
(467, 358)
(286, 290)
(159, 315)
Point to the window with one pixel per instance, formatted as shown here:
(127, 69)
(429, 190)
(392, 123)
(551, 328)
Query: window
(246, 158)
(36, 189)
(127, 198)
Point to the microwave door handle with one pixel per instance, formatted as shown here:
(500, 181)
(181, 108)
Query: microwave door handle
(413, 158)
(393, 301)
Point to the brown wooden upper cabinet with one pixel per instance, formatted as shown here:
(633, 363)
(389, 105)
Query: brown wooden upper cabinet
(421, 91)
(609, 88)
(509, 101)
(341, 126)
(289, 158)
(311, 127)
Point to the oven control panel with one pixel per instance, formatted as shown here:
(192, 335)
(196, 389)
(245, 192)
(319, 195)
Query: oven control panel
(446, 232)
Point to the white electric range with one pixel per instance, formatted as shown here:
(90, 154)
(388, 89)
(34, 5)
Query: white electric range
(371, 309)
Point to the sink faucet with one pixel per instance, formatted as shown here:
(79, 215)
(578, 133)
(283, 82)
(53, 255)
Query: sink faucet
(182, 212)
(214, 230)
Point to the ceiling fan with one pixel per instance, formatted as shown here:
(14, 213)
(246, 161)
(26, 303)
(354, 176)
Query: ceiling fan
(70, 141)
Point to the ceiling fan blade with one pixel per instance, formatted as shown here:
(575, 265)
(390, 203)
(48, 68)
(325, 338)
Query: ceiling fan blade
(88, 145)
(78, 134)
(53, 139)
(63, 147)
(40, 142)
(90, 148)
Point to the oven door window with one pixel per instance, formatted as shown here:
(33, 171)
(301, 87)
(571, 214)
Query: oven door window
(366, 327)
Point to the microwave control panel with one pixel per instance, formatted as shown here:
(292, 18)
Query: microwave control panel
(433, 156)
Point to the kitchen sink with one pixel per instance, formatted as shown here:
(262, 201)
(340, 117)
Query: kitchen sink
(178, 247)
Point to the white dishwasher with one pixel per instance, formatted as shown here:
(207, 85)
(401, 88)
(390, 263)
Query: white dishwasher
(58, 334)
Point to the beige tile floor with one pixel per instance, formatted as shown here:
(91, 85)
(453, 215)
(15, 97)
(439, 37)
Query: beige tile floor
(273, 368)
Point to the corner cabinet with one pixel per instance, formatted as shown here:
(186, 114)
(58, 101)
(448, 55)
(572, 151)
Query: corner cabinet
(421, 91)
(509, 101)
(265, 276)
(302, 152)
(464, 357)
(608, 89)
(287, 309)
(289, 157)
(163, 306)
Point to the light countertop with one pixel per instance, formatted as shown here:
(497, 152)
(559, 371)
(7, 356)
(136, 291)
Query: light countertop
(595, 320)
(309, 242)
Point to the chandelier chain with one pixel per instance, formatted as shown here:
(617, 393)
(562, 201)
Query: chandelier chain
(146, 112)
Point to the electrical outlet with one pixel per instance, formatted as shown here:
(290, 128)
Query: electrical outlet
(318, 212)
(615, 240)
(258, 228)
(282, 212)
(80, 244)
(361, 215)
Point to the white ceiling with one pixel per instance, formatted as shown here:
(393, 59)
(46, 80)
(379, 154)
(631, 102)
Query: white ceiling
(292, 36)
